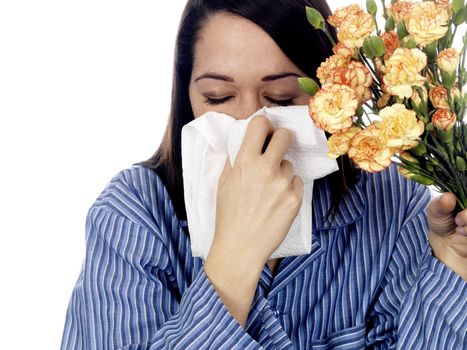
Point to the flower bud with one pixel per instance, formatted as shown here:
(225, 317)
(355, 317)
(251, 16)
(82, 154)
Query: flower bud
(308, 85)
(449, 79)
(315, 18)
(448, 60)
(457, 5)
(460, 17)
(419, 150)
(405, 173)
(419, 100)
(373, 46)
(408, 157)
(371, 7)
(401, 30)
(409, 42)
(389, 24)
(439, 96)
(443, 119)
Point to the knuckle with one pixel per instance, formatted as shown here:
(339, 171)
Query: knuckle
(283, 184)
(293, 201)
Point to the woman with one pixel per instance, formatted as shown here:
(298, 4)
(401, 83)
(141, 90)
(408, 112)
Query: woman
(371, 279)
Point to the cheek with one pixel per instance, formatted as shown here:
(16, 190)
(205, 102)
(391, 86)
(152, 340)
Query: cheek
(303, 100)
(197, 105)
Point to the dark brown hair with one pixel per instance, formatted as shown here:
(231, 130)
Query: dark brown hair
(285, 21)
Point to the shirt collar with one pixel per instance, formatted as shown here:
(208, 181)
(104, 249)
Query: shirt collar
(351, 206)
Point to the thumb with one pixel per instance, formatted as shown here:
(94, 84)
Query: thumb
(440, 214)
(443, 205)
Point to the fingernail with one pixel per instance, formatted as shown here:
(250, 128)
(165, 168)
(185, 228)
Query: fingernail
(461, 231)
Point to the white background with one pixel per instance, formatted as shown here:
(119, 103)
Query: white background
(84, 93)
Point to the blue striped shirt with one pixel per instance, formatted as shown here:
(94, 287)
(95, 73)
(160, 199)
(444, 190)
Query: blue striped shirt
(370, 280)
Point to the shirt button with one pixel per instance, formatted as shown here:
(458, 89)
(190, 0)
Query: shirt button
(275, 312)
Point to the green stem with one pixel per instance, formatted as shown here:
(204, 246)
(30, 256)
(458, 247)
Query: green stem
(454, 173)
(385, 15)
(331, 39)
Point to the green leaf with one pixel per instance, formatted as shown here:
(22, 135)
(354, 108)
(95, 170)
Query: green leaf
(308, 85)
(315, 18)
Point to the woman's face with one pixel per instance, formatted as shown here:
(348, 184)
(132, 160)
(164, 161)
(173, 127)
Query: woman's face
(238, 68)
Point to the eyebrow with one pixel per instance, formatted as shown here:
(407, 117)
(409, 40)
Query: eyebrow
(221, 77)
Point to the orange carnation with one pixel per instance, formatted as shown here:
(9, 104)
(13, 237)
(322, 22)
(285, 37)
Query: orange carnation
(448, 60)
(342, 13)
(332, 108)
(443, 119)
(399, 10)
(368, 151)
(427, 22)
(355, 28)
(341, 50)
(330, 65)
(339, 142)
(439, 96)
(400, 127)
(391, 42)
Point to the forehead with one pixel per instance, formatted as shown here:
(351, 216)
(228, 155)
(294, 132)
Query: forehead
(231, 44)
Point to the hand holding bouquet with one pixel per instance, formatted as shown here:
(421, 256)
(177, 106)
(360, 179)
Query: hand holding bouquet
(396, 95)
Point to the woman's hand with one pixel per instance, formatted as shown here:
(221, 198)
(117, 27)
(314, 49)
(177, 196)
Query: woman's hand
(448, 233)
(259, 197)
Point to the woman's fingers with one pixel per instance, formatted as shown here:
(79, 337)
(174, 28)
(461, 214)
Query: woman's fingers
(278, 146)
(255, 136)
(461, 222)
(287, 169)
(297, 187)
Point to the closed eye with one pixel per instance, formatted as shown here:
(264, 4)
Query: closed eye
(217, 101)
(287, 102)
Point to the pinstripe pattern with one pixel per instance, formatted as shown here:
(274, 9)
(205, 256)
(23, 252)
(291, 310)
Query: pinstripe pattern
(370, 280)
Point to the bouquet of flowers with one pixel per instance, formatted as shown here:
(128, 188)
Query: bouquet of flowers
(396, 95)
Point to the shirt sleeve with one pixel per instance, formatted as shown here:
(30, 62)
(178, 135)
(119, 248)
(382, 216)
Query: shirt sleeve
(127, 298)
(422, 304)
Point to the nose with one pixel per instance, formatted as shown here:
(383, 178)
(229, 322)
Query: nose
(247, 107)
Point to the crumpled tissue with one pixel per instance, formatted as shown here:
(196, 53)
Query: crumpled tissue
(210, 138)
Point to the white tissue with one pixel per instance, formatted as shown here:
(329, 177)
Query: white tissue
(210, 138)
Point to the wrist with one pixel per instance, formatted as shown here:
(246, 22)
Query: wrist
(229, 266)
(448, 255)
